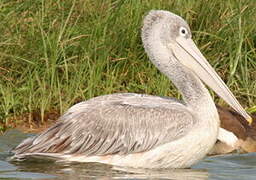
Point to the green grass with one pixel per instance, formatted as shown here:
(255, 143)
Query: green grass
(54, 54)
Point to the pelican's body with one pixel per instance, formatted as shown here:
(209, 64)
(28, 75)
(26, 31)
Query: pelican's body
(141, 130)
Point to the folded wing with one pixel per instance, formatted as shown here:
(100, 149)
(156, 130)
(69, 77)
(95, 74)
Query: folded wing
(112, 124)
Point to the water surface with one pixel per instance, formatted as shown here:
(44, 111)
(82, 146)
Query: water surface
(234, 166)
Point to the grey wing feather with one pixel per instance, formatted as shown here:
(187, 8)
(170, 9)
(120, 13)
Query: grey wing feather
(113, 124)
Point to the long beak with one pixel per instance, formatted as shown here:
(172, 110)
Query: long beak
(189, 55)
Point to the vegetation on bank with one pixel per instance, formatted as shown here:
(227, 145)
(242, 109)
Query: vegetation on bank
(54, 54)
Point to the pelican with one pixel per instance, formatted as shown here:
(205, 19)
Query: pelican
(144, 131)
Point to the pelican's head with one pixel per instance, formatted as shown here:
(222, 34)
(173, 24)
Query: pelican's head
(167, 40)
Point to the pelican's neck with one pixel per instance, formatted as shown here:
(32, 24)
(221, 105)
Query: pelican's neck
(192, 89)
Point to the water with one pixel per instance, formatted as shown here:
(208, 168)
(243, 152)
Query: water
(235, 167)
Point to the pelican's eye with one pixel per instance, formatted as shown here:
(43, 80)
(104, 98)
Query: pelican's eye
(183, 31)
